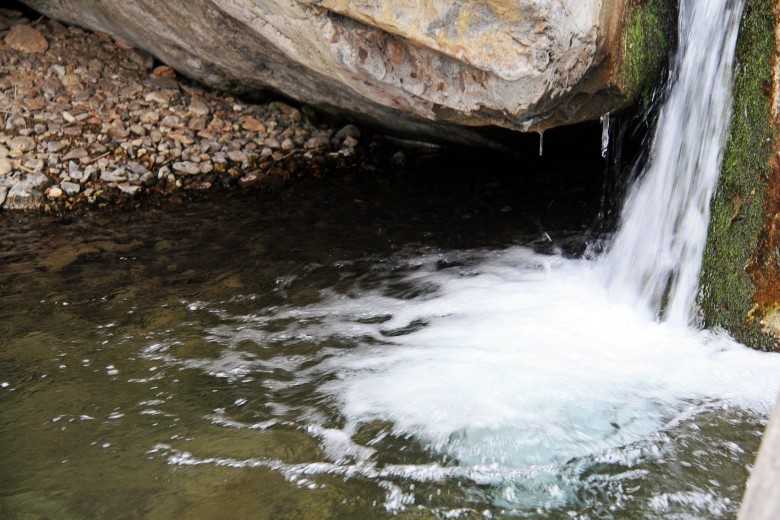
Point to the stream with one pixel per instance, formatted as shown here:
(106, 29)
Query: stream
(450, 340)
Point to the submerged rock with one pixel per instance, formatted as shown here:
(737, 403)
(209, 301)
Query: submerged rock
(435, 68)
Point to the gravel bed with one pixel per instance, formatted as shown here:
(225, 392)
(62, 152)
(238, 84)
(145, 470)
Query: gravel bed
(88, 121)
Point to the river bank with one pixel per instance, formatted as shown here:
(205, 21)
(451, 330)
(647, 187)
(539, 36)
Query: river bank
(87, 121)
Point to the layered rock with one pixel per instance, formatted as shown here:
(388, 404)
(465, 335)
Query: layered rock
(424, 67)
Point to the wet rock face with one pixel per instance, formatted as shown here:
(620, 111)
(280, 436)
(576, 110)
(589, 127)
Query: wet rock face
(426, 67)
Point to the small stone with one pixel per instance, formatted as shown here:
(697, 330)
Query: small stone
(117, 175)
(73, 171)
(3, 193)
(291, 112)
(76, 153)
(252, 124)
(54, 146)
(237, 156)
(198, 107)
(347, 131)
(67, 116)
(350, 142)
(182, 138)
(54, 192)
(206, 167)
(186, 167)
(272, 143)
(33, 164)
(26, 39)
(21, 143)
(5, 166)
(287, 144)
(164, 71)
(149, 117)
(158, 97)
(318, 141)
(118, 131)
(171, 121)
(72, 130)
(130, 190)
(138, 130)
(71, 81)
(70, 188)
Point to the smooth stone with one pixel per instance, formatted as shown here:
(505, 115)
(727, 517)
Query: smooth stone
(186, 167)
(55, 192)
(24, 38)
(118, 175)
(70, 188)
(5, 166)
(237, 156)
(21, 143)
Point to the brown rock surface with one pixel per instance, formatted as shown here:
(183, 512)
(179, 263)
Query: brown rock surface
(24, 38)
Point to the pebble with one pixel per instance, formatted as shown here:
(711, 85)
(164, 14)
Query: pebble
(70, 188)
(24, 38)
(55, 192)
(237, 156)
(76, 153)
(89, 114)
(5, 166)
(186, 167)
(21, 143)
(252, 124)
(118, 175)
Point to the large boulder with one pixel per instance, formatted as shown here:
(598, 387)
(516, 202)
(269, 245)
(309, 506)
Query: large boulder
(424, 67)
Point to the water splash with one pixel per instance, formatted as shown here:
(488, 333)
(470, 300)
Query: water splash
(656, 256)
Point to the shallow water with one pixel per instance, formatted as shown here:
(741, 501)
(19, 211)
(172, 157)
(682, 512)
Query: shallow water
(420, 344)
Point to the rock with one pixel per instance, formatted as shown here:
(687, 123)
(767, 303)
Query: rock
(158, 97)
(291, 112)
(21, 143)
(198, 107)
(350, 142)
(186, 167)
(24, 38)
(54, 192)
(164, 71)
(435, 71)
(118, 175)
(5, 166)
(252, 124)
(3, 194)
(70, 188)
(28, 192)
(130, 190)
(287, 144)
(74, 172)
(237, 156)
(347, 131)
(76, 153)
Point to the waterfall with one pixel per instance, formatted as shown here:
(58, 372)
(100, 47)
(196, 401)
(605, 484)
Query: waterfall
(656, 255)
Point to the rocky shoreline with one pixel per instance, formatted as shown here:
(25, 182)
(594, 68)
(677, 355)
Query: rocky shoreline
(87, 121)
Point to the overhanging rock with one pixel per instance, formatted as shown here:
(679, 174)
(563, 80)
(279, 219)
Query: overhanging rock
(432, 68)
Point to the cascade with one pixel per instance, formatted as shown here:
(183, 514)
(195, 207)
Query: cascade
(656, 255)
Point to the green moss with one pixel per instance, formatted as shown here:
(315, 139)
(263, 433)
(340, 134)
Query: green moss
(651, 33)
(738, 205)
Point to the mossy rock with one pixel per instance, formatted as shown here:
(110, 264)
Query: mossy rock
(738, 207)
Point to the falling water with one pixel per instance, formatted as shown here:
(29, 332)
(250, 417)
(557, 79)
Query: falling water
(656, 255)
